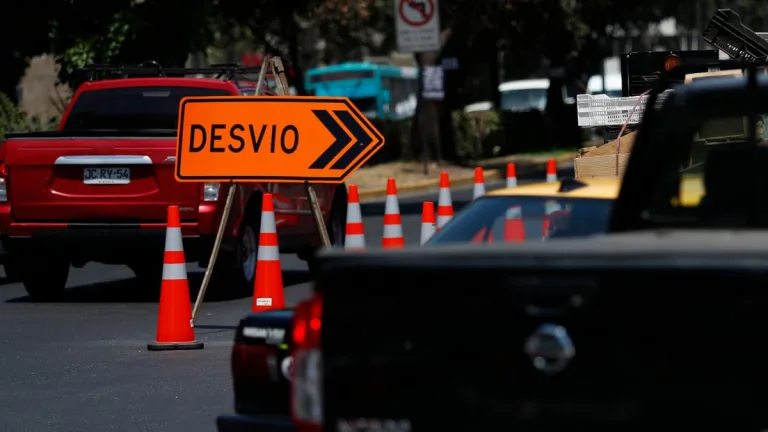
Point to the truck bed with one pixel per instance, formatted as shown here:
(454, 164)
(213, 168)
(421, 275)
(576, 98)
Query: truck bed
(92, 133)
(665, 328)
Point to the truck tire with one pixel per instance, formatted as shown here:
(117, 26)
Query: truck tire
(12, 272)
(44, 278)
(234, 273)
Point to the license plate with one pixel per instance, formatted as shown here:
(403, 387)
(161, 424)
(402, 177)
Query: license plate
(106, 176)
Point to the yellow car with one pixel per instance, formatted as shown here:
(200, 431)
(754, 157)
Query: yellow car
(542, 211)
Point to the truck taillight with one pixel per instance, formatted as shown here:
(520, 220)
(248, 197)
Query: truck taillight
(3, 177)
(307, 380)
(209, 192)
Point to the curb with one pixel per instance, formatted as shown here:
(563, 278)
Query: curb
(428, 184)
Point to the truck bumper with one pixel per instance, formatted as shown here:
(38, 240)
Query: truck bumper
(242, 423)
(108, 243)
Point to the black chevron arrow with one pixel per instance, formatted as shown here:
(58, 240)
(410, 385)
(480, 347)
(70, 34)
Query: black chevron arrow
(361, 143)
(341, 139)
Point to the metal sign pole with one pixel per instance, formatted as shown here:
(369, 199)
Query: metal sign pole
(223, 222)
(314, 206)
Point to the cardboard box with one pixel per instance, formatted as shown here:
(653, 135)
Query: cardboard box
(595, 162)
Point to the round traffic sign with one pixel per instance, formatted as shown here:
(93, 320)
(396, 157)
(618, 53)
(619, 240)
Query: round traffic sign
(416, 13)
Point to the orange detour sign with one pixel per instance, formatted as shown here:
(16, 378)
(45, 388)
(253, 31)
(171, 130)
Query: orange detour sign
(272, 139)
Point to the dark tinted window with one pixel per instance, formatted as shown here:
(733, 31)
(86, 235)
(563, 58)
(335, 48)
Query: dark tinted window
(367, 106)
(500, 219)
(336, 76)
(132, 108)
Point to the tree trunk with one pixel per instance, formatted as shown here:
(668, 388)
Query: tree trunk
(428, 119)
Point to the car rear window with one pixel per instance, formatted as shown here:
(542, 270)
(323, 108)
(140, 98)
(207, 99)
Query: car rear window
(132, 108)
(500, 219)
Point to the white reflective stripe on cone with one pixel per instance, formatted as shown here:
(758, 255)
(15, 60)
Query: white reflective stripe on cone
(478, 191)
(444, 198)
(174, 272)
(511, 182)
(393, 231)
(427, 230)
(268, 253)
(354, 241)
(551, 178)
(442, 220)
(173, 241)
(391, 206)
(268, 222)
(353, 213)
(514, 212)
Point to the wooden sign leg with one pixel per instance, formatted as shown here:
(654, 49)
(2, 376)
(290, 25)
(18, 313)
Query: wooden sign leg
(314, 207)
(224, 219)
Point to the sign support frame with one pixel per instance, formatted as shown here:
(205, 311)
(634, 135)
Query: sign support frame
(314, 207)
(224, 216)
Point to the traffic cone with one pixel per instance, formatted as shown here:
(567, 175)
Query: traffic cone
(393, 228)
(478, 189)
(355, 237)
(511, 175)
(174, 321)
(551, 171)
(427, 221)
(268, 284)
(549, 208)
(514, 227)
(480, 236)
(444, 202)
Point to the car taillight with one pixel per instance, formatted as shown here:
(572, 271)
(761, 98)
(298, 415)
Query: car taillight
(307, 380)
(672, 61)
(3, 177)
(209, 192)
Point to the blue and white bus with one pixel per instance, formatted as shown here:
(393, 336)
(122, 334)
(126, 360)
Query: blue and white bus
(378, 91)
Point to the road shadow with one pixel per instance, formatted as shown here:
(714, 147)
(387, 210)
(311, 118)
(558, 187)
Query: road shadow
(132, 290)
(406, 208)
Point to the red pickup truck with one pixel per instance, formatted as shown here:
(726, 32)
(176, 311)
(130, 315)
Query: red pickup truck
(98, 189)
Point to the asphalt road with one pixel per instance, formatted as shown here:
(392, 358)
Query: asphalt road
(81, 364)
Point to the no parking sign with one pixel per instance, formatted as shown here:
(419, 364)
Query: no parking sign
(417, 25)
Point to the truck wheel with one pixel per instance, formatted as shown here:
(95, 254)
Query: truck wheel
(44, 278)
(12, 272)
(241, 282)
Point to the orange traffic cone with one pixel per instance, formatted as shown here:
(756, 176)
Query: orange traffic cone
(444, 202)
(393, 227)
(514, 228)
(551, 171)
(174, 321)
(478, 189)
(511, 175)
(427, 221)
(549, 208)
(268, 284)
(354, 237)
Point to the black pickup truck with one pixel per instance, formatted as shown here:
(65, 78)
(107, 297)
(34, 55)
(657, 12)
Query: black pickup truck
(616, 333)
(612, 333)
(656, 325)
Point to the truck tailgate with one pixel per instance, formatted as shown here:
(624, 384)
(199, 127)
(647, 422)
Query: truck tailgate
(96, 179)
(443, 344)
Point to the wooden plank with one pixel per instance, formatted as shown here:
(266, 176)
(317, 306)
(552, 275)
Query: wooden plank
(599, 166)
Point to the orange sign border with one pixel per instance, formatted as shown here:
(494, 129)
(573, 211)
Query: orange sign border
(378, 138)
